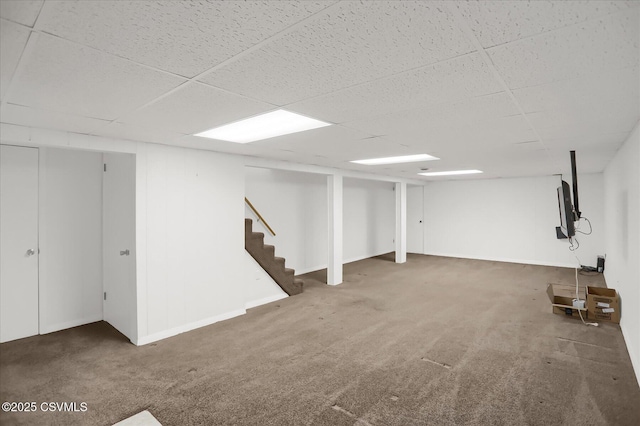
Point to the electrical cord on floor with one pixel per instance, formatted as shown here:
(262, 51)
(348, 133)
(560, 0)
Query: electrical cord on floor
(595, 324)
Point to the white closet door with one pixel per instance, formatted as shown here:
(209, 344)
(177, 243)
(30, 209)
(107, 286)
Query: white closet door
(19, 242)
(415, 217)
(119, 259)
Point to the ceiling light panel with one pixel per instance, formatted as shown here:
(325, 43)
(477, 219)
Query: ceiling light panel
(396, 160)
(264, 126)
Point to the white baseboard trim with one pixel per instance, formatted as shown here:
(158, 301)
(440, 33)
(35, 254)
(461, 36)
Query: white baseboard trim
(635, 360)
(353, 259)
(311, 269)
(264, 300)
(506, 260)
(144, 340)
(52, 328)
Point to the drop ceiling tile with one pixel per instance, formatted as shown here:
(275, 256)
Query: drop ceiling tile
(126, 131)
(463, 112)
(66, 77)
(183, 37)
(30, 117)
(498, 22)
(608, 43)
(13, 39)
(23, 12)
(194, 108)
(610, 141)
(618, 115)
(352, 43)
(445, 82)
(592, 160)
(593, 89)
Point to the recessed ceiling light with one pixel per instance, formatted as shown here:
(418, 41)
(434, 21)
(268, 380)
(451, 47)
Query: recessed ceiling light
(394, 160)
(263, 126)
(452, 172)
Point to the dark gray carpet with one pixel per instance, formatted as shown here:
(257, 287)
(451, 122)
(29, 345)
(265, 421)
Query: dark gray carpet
(436, 341)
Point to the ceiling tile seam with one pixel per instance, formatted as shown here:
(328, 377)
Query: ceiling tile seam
(16, 23)
(560, 80)
(194, 79)
(265, 41)
(464, 26)
(113, 55)
(55, 112)
(26, 53)
(387, 76)
(25, 25)
(435, 105)
(35, 22)
(540, 34)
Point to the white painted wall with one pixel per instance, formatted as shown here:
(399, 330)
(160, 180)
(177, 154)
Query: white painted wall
(369, 218)
(295, 206)
(193, 231)
(259, 287)
(622, 240)
(510, 220)
(70, 231)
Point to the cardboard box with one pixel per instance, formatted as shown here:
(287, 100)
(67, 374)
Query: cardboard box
(561, 297)
(603, 304)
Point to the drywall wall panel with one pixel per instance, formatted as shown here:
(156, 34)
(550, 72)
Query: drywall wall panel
(70, 238)
(622, 240)
(260, 288)
(511, 220)
(294, 204)
(369, 218)
(194, 239)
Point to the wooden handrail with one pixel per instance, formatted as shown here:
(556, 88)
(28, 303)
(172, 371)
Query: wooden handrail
(260, 218)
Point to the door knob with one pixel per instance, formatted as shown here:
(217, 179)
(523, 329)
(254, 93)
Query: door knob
(31, 252)
(124, 252)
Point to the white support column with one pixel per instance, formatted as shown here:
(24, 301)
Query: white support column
(334, 201)
(401, 222)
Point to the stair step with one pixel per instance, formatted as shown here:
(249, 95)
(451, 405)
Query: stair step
(270, 250)
(265, 255)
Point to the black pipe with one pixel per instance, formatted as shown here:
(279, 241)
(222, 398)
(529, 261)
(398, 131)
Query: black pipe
(574, 177)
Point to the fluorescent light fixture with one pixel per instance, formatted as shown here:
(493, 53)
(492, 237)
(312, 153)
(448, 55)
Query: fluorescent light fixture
(263, 126)
(450, 173)
(394, 160)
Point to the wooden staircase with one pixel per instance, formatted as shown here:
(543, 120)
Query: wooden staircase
(266, 257)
